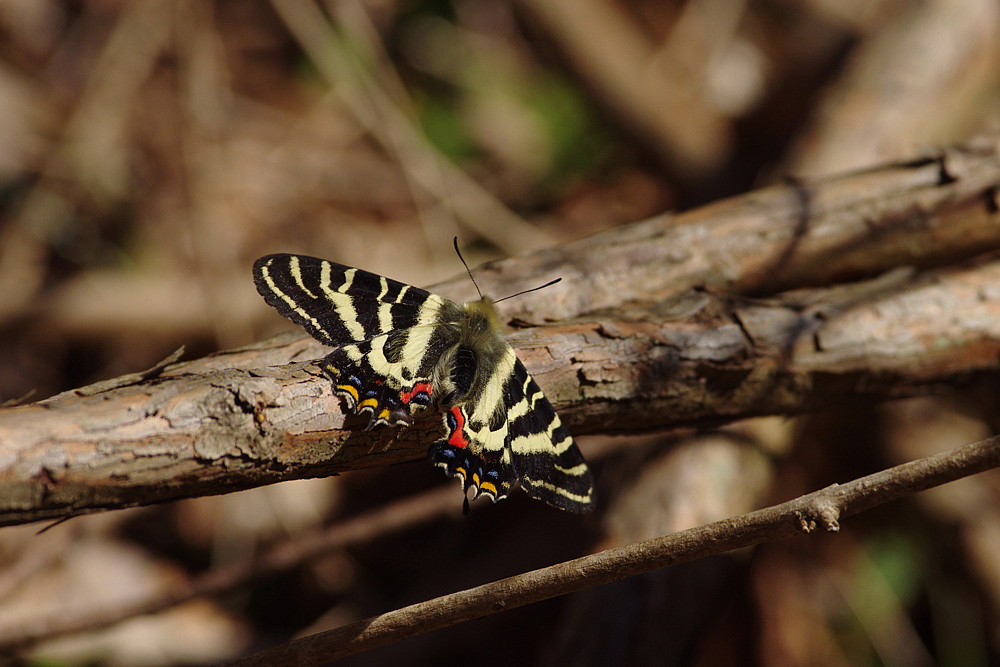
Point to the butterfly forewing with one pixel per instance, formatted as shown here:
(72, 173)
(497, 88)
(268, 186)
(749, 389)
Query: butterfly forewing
(388, 334)
(340, 304)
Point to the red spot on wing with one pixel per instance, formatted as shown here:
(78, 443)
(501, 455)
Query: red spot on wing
(419, 388)
(457, 437)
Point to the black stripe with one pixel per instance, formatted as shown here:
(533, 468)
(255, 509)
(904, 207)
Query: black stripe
(404, 315)
(394, 288)
(395, 343)
(444, 337)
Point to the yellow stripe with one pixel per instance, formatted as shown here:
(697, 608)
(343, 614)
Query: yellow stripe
(297, 275)
(265, 272)
(384, 307)
(349, 389)
(575, 471)
(341, 301)
(492, 394)
(559, 491)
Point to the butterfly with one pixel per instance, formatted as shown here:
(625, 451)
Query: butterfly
(399, 349)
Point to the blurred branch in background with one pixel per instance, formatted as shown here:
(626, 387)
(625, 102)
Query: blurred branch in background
(365, 84)
(919, 80)
(655, 90)
(279, 557)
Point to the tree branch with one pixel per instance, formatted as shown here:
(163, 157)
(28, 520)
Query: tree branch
(262, 414)
(824, 508)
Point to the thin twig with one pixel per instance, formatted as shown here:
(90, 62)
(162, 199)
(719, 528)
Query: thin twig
(822, 508)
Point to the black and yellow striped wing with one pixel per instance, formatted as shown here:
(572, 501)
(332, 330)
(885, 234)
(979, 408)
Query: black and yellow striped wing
(510, 433)
(388, 335)
(341, 304)
(549, 464)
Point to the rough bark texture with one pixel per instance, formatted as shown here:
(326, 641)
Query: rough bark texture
(636, 348)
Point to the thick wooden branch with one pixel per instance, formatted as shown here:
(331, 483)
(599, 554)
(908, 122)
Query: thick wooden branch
(262, 414)
(930, 212)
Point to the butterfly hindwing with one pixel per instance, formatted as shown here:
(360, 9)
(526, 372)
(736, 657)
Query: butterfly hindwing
(548, 462)
(511, 433)
(392, 374)
(476, 443)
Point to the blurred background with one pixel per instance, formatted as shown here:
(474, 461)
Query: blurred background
(151, 150)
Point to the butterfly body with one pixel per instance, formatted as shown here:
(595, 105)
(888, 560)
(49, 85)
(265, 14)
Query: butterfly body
(399, 349)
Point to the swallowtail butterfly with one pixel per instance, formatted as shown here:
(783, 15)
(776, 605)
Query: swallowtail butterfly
(400, 349)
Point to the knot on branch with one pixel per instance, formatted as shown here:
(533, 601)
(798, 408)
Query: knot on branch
(820, 509)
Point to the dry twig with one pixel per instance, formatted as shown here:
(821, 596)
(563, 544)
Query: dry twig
(824, 508)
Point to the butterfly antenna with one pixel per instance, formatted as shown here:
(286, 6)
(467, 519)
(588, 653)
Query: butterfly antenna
(467, 269)
(533, 289)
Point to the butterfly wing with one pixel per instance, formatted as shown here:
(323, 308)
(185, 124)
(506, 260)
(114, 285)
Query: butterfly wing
(340, 304)
(548, 462)
(509, 432)
(389, 335)
(392, 374)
